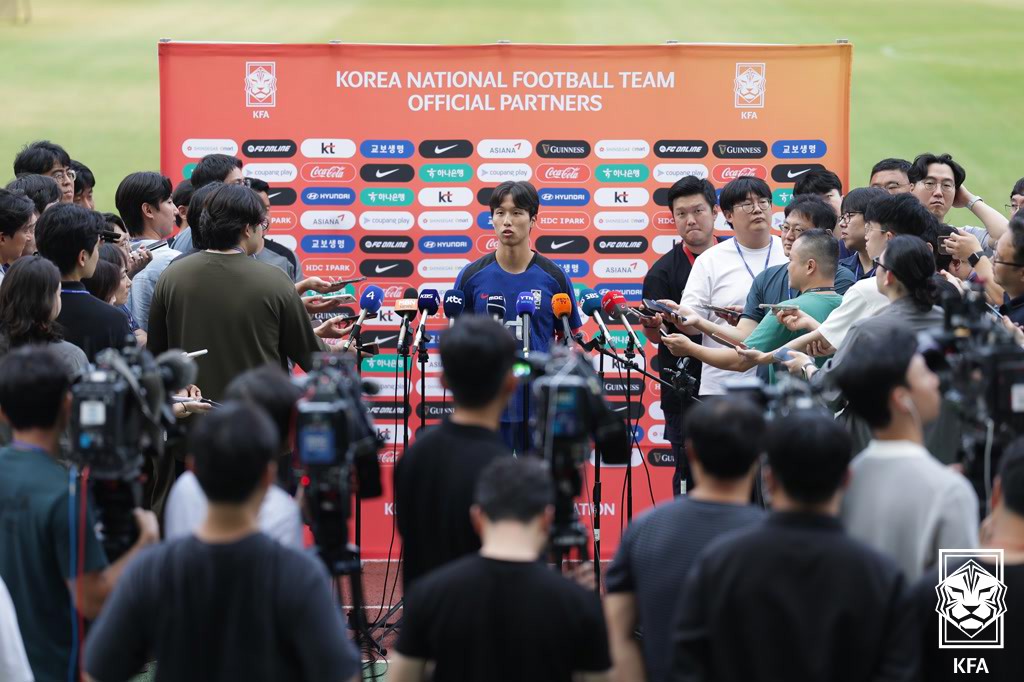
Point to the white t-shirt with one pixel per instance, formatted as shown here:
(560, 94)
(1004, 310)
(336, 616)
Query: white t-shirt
(14, 665)
(186, 508)
(860, 302)
(722, 276)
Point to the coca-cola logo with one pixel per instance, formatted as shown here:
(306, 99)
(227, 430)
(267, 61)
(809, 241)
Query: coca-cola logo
(393, 292)
(328, 172)
(727, 172)
(563, 172)
(487, 244)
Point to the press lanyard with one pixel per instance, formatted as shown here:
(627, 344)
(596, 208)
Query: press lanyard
(766, 258)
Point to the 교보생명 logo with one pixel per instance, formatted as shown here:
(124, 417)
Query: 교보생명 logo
(261, 84)
(971, 600)
(749, 85)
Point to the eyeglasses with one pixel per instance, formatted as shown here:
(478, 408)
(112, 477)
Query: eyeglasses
(877, 262)
(748, 207)
(930, 185)
(848, 216)
(1011, 208)
(869, 228)
(1009, 264)
(60, 175)
(787, 229)
(265, 225)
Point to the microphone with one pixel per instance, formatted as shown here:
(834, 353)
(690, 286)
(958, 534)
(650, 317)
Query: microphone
(561, 306)
(591, 302)
(428, 303)
(406, 307)
(614, 304)
(454, 304)
(525, 308)
(369, 303)
(496, 307)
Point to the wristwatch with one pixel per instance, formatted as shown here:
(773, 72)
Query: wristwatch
(975, 257)
(972, 202)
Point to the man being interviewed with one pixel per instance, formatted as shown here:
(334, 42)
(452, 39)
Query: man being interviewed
(512, 269)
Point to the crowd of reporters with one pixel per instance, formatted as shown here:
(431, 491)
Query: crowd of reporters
(834, 581)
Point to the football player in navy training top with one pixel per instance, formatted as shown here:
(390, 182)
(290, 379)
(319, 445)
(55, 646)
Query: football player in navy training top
(514, 268)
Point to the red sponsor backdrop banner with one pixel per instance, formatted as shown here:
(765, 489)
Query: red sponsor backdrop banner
(381, 158)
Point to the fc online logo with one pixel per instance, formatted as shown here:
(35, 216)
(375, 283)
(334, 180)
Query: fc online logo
(749, 85)
(261, 84)
(971, 600)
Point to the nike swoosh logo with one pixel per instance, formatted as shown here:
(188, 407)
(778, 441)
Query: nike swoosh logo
(558, 245)
(442, 150)
(275, 194)
(384, 174)
(791, 174)
(385, 339)
(380, 269)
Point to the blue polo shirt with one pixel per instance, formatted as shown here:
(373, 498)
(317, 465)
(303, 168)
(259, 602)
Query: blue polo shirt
(543, 279)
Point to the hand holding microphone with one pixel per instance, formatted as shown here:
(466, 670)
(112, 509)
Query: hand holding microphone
(526, 306)
(369, 303)
(614, 304)
(428, 302)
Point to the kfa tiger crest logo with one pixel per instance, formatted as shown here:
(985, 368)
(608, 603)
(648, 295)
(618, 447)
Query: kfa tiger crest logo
(261, 84)
(971, 600)
(749, 85)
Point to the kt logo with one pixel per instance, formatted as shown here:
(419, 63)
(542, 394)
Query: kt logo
(622, 197)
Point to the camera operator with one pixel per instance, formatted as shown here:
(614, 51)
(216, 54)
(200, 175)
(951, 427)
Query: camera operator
(795, 597)
(246, 313)
(502, 614)
(227, 602)
(436, 476)
(50, 546)
(723, 439)
(902, 500)
(269, 389)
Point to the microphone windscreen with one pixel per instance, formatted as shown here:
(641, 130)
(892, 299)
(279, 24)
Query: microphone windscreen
(407, 307)
(454, 303)
(429, 301)
(496, 305)
(372, 298)
(591, 302)
(561, 305)
(525, 304)
(612, 301)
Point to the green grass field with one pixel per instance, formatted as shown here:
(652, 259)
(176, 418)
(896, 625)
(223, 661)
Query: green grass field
(928, 75)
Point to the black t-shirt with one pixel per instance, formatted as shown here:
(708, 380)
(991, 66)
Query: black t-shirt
(1006, 663)
(666, 280)
(248, 610)
(434, 485)
(89, 323)
(503, 621)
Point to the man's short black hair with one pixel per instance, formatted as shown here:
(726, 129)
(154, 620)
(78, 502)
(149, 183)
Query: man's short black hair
(736, 192)
(257, 185)
(1011, 475)
(214, 168)
(142, 187)
(270, 389)
(902, 214)
(232, 447)
(33, 384)
(196, 204)
(690, 186)
(84, 179)
(181, 195)
(818, 181)
(229, 210)
(814, 208)
(1018, 188)
(858, 199)
(919, 169)
(809, 453)
(41, 189)
(1017, 237)
(726, 436)
(823, 247)
(876, 365)
(524, 196)
(476, 357)
(515, 489)
(40, 158)
(891, 164)
(64, 231)
(16, 210)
